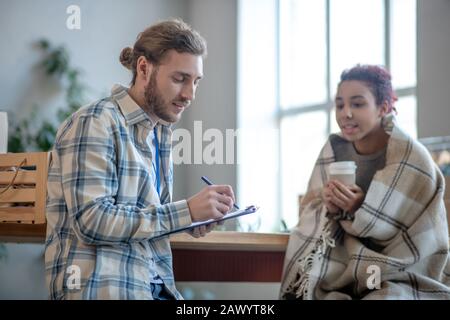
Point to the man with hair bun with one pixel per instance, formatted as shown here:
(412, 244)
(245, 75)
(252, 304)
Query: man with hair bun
(110, 178)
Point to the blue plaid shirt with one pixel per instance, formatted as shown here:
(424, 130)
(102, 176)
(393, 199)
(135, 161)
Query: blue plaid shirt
(103, 210)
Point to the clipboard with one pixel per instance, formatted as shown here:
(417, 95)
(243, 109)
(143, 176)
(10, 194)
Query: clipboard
(231, 215)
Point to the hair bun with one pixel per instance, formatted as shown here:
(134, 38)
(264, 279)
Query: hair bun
(126, 57)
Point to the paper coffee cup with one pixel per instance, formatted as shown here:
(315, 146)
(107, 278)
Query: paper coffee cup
(343, 171)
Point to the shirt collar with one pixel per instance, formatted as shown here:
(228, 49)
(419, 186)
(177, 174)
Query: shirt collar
(132, 112)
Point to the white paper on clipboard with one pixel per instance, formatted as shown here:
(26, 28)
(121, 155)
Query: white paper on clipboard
(231, 215)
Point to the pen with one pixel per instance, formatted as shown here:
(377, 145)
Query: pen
(206, 180)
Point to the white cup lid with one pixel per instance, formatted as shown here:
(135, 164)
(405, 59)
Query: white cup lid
(343, 165)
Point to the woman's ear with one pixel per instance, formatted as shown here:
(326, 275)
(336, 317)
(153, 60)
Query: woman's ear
(383, 109)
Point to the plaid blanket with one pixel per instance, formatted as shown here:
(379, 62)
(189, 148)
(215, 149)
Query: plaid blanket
(394, 247)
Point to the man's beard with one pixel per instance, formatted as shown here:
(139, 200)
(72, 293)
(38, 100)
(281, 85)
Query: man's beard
(154, 102)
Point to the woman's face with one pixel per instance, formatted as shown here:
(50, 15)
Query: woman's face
(357, 114)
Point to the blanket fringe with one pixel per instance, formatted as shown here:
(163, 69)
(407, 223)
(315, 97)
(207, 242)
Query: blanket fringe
(301, 286)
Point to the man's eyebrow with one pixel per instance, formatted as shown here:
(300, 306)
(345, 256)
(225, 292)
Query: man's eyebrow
(187, 75)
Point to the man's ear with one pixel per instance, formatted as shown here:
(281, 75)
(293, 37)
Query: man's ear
(143, 69)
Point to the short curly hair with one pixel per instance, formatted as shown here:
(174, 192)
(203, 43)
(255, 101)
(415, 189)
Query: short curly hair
(377, 79)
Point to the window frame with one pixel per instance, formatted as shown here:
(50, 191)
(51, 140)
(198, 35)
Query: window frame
(328, 105)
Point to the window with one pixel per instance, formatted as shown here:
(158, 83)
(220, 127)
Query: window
(291, 54)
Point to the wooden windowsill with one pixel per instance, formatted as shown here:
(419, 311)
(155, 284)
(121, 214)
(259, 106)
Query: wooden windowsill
(215, 240)
(232, 241)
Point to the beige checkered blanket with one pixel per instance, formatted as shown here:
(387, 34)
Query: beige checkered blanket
(395, 247)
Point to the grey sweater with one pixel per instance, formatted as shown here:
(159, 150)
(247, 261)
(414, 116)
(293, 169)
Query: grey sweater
(367, 165)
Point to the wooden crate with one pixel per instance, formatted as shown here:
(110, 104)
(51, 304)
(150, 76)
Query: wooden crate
(23, 187)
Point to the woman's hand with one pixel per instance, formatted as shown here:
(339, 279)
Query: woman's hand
(327, 193)
(347, 198)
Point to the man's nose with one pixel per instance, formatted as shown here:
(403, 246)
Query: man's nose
(188, 92)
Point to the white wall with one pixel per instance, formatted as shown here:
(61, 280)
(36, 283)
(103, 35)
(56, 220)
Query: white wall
(22, 274)
(107, 26)
(433, 68)
(229, 290)
(215, 103)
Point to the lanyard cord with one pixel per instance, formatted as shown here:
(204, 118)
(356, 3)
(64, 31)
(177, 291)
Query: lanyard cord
(158, 179)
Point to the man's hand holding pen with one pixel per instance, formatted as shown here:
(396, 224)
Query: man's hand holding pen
(213, 202)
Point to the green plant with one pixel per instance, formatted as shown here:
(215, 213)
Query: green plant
(25, 135)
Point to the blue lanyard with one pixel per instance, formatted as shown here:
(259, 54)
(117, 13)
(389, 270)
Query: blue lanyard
(158, 179)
